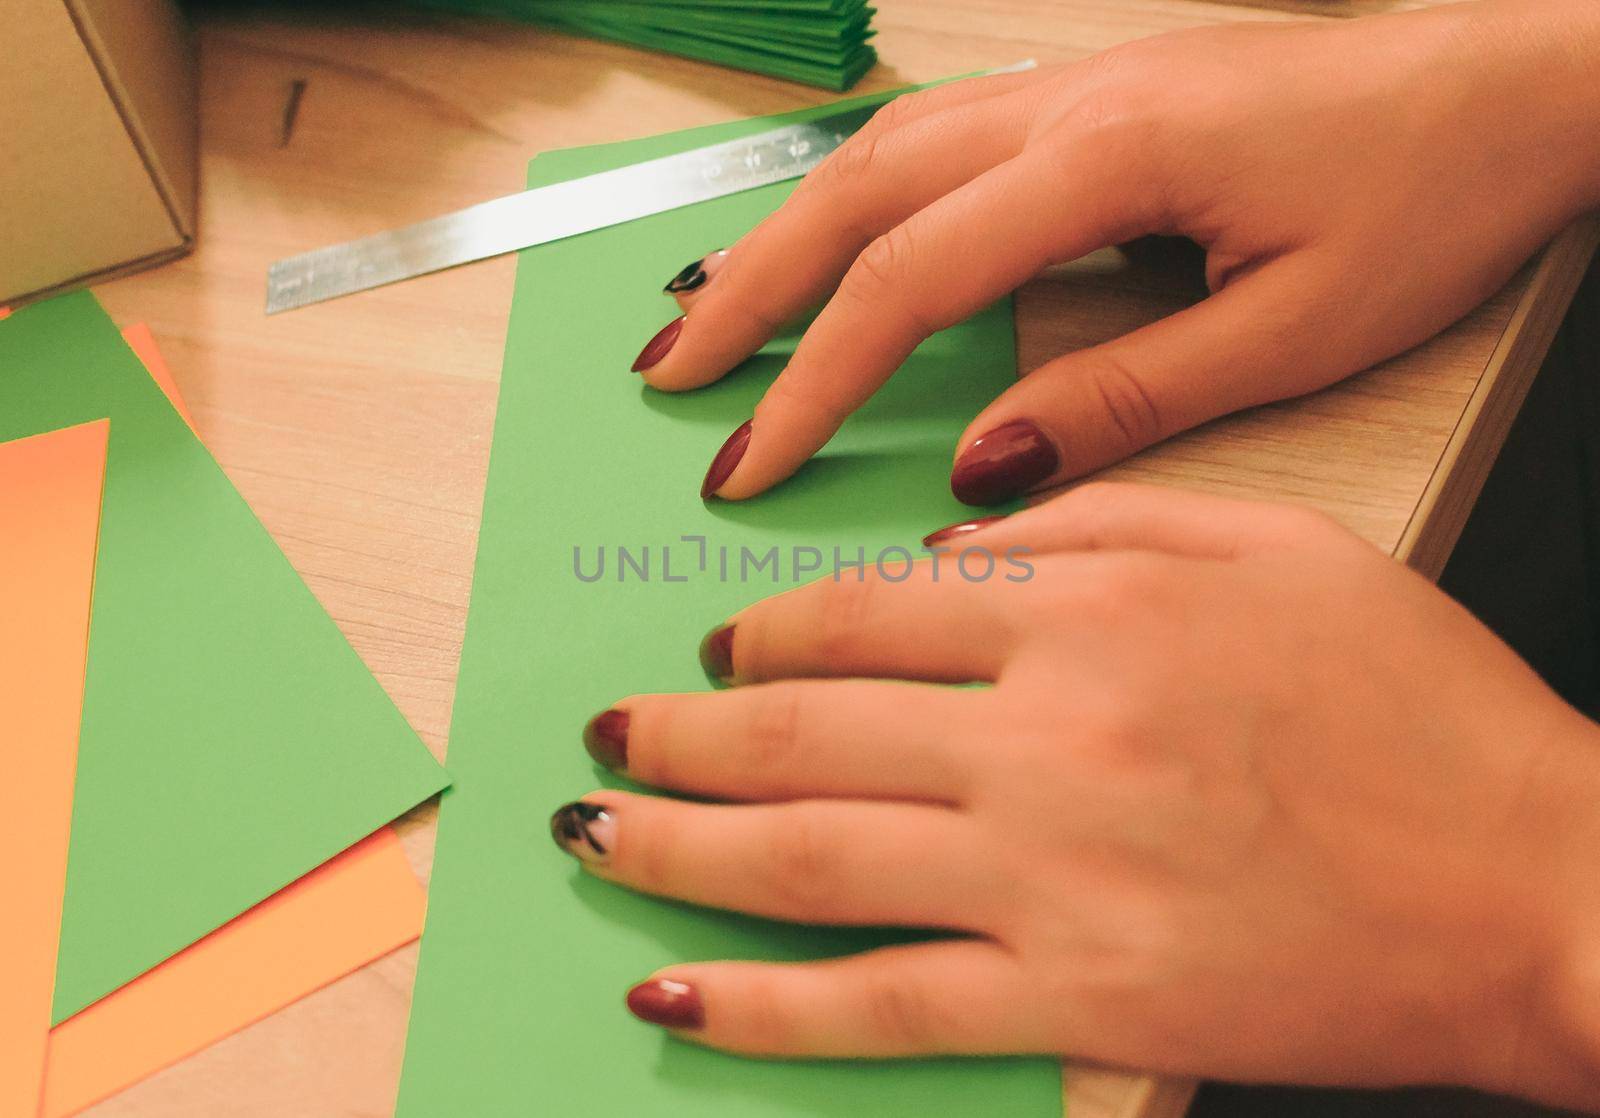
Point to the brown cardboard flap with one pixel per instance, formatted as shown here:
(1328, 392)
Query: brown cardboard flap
(146, 55)
(83, 194)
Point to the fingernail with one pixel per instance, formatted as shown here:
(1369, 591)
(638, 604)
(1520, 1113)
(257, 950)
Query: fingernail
(1005, 463)
(716, 655)
(695, 275)
(606, 738)
(727, 458)
(690, 277)
(584, 830)
(656, 348)
(672, 1005)
(955, 531)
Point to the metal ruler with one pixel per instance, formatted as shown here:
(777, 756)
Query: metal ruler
(564, 209)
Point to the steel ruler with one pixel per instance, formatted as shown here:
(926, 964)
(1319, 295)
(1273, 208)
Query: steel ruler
(564, 209)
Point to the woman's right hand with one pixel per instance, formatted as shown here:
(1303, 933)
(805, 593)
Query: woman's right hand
(1357, 186)
(1242, 798)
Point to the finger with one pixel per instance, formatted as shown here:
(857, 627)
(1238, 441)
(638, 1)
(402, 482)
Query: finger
(913, 106)
(955, 997)
(688, 285)
(942, 265)
(813, 862)
(1272, 334)
(941, 624)
(1121, 516)
(786, 741)
(691, 280)
(796, 256)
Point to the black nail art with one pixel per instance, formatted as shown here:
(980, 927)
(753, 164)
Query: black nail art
(570, 825)
(692, 276)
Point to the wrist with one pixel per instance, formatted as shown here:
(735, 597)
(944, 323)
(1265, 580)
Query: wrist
(1556, 1057)
(1544, 59)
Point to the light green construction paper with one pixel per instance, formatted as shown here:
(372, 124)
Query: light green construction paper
(518, 1005)
(231, 739)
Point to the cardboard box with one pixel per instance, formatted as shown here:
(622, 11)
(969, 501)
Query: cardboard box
(98, 141)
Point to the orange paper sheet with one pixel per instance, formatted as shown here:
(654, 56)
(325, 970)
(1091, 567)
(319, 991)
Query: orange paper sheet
(353, 909)
(50, 488)
(361, 905)
(143, 343)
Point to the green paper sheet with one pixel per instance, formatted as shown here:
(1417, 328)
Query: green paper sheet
(518, 1006)
(231, 738)
(821, 44)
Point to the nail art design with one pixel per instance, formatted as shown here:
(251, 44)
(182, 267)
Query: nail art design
(672, 1005)
(727, 459)
(657, 347)
(692, 276)
(1005, 463)
(584, 830)
(606, 738)
(716, 656)
(951, 532)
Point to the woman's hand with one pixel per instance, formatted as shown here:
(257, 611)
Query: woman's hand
(1245, 799)
(1357, 186)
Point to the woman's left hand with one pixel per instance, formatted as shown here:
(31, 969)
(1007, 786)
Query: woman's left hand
(1245, 799)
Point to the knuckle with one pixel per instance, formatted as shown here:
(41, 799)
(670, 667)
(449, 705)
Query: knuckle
(1127, 403)
(900, 1013)
(852, 163)
(882, 263)
(806, 864)
(774, 738)
(845, 608)
(881, 279)
(901, 110)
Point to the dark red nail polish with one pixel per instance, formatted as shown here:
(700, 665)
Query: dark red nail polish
(716, 655)
(955, 531)
(727, 458)
(672, 1005)
(1005, 463)
(606, 738)
(656, 348)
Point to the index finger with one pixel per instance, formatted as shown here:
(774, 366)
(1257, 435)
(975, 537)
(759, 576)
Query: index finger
(944, 264)
(795, 257)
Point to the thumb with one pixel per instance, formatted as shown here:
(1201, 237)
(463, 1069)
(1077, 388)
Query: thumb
(1266, 336)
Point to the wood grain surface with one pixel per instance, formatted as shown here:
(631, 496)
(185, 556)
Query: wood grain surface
(359, 429)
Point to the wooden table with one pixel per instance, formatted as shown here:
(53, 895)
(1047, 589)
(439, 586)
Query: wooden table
(359, 430)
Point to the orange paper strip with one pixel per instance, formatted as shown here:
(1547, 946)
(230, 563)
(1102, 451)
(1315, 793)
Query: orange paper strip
(143, 344)
(341, 916)
(50, 488)
(361, 905)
